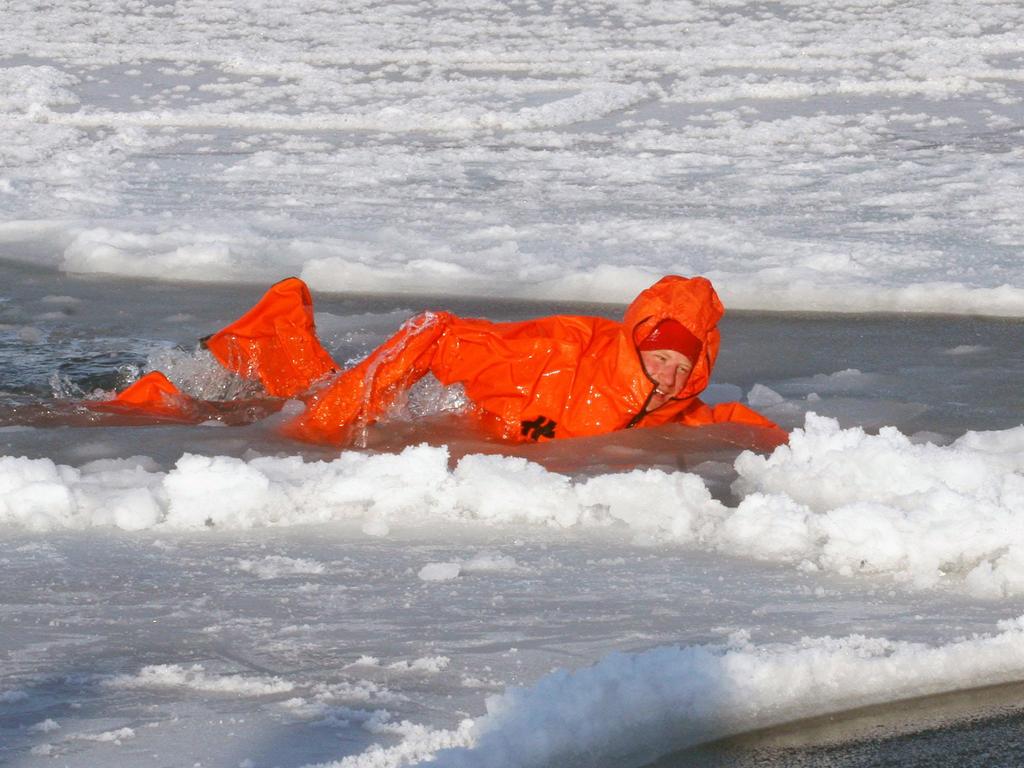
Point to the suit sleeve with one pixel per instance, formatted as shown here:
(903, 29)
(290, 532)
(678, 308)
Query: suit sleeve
(362, 394)
(736, 413)
(741, 414)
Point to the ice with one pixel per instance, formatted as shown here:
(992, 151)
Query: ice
(489, 562)
(212, 652)
(628, 709)
(223, 596)
(631, 708)
(525, 152)
(231, 493)
(61, 301)
(31, 335)
(840, 499)
(116, 737)
(28, 89)
(45, 726)
(965, 349)
(175, 252)
(855, 502)
(439, 571)
(196, 678)
(761, 396)
(275, 566)
(427, 665)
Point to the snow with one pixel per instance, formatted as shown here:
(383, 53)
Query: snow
(427, 665)
(631, 708)
(439, 571)
(116, 737)
(45, 726)
(196, 678)
(225, 597)
(275, 566)
(854, 158)
(879, 503)
(836, 499)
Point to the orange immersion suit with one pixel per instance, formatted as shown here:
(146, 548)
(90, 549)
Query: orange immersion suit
(561, 376)
(153, 395)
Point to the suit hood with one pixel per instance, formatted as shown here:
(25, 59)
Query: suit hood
(691, 301)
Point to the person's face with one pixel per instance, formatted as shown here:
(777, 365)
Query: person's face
(669, 370)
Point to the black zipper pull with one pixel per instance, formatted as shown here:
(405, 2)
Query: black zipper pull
(643, 411)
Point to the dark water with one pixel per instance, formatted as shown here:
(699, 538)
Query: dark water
(64, 337)
(972, 729)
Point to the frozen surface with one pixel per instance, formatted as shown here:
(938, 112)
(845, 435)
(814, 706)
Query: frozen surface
(216, 595)
(854, 157)
(832, 499)
(190, 643)
(285, 605)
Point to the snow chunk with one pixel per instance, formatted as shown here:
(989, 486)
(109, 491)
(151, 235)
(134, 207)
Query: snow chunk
(852, 502)
(506, 489)
(427, 665)
(29, 89)
(771, 528)
(61, 301)
(761, 396)
(196, 678)
(965, 349)
(206, 490)
(115, 737)
(36, 492)
(274, 566)
(658, 506)
(418, 744)
(439, 571)
(490, 562)
(31, 335)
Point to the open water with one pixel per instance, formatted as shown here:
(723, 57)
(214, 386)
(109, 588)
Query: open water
(63, 336)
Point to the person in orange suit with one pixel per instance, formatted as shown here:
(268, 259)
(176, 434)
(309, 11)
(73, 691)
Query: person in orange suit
(552, 377)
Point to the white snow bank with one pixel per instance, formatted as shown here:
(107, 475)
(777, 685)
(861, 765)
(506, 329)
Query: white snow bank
(835, 499)
(417, 483)
(866, 160)
(629, 709)
(779, 287)
(213, 256)
(852, 502)
(490, 263)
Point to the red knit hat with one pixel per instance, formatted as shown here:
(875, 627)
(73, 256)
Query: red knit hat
(671, 334)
